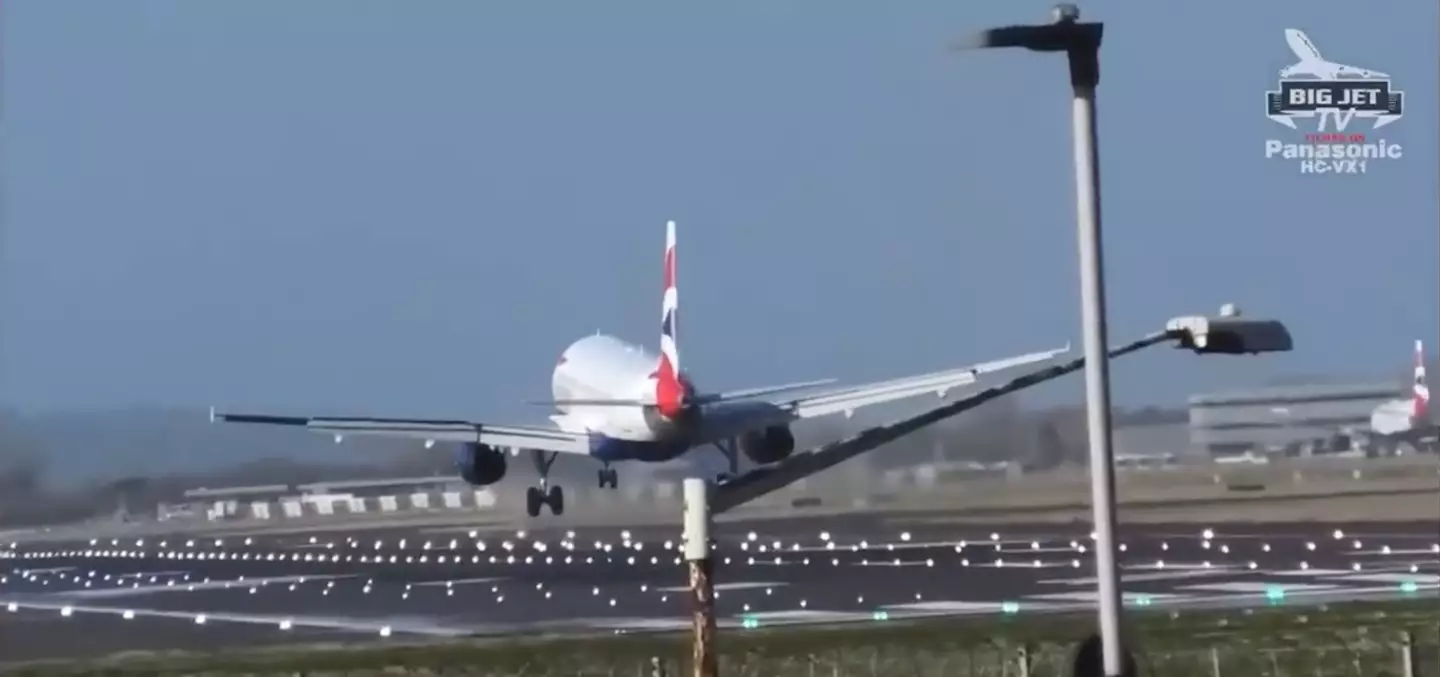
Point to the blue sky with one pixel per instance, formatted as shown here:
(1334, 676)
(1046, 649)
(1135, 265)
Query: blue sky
(410, 208)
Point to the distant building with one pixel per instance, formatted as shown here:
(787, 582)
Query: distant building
(379, 487)
(1146, 444)
(1274, 418)
(221, 502)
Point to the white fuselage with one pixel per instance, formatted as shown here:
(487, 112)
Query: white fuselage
(604, 367)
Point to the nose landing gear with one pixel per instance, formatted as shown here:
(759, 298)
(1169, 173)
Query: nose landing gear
(608, 477)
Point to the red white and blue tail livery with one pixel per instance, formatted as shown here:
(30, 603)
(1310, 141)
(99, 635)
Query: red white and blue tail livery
(614, 401)
(1420, 390)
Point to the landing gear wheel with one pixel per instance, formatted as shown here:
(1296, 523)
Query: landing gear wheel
(608, 477)
(556, 500)
(535, 497)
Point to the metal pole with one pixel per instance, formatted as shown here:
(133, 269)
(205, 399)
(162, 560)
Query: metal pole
(1407, 655)
(697, 557)
(1084, 77)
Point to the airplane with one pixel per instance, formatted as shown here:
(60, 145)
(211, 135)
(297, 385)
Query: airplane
(1314, 65)
(1396, 426)
(614, 402)
(1406, 422)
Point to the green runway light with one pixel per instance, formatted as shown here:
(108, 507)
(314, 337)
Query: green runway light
(1275, 594)
(880, 615)
(1409, 587)
(1142, 600)
(1010, 607)
(750, 622)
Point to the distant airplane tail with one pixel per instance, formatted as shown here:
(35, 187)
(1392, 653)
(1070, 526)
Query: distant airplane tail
(1420, 390)
(670, 390)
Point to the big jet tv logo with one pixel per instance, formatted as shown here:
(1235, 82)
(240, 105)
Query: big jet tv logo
(1335, 95)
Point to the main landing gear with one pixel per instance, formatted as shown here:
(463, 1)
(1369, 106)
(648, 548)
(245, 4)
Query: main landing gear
(608, 477)
(732, 457)
(543, 495)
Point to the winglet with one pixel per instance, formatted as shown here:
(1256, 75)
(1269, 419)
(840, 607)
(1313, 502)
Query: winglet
(212, 414)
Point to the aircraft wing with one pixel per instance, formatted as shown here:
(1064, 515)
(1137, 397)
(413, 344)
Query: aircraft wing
(1300, 44)
(939, 383)
(436, 430)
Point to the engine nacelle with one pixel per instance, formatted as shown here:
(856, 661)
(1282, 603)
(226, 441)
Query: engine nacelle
(767, 446)
(480, 464)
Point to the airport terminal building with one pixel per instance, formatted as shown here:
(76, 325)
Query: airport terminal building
(1273, 418)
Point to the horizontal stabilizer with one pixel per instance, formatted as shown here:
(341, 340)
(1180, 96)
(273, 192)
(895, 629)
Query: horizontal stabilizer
(598, 402)
(707, 398)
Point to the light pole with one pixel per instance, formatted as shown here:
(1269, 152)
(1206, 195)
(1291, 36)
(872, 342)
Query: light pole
(1081, 44)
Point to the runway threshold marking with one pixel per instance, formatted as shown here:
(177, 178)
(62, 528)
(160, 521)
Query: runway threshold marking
(723, 587)
(1418, 578)
(1090, 596)
(459, 581)
(1256, 587)
(194, 586)
(406, 625)
(1140, 578)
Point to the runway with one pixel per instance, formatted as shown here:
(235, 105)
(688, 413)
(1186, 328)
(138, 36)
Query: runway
(100, 596)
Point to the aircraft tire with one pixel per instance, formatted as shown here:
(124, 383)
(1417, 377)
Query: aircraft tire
(533, 499)
(556, 500)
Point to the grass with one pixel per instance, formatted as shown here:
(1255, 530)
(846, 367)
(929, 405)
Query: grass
(1353, 639)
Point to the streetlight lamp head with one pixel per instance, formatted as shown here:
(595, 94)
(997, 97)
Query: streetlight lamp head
(1065, 13)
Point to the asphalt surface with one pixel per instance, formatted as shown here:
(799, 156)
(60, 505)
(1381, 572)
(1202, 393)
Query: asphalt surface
(189, 592)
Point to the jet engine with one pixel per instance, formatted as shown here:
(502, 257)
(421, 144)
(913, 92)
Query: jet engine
(480, 464)
(767, 446)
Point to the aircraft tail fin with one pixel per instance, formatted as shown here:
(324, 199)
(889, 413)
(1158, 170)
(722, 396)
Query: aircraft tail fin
(1420, 389)
(670, 391)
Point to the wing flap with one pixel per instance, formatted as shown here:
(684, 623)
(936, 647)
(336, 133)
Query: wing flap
(702, 398)
(764, 390)
(939, 383)
(436, 430)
